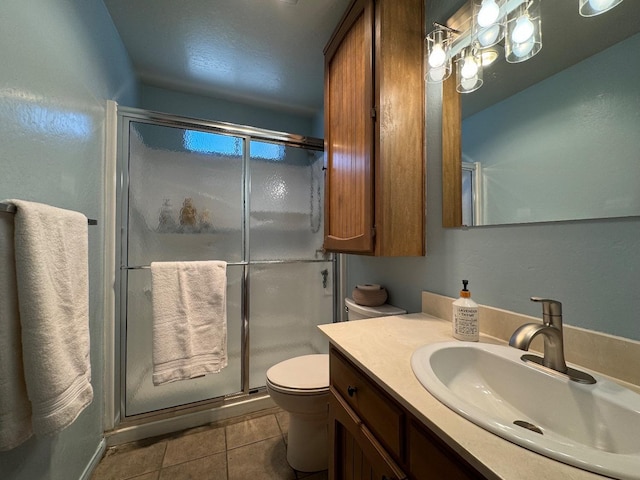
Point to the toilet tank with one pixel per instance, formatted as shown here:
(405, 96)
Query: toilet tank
(357, 312)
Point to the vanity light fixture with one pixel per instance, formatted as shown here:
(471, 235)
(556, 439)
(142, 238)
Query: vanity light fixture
(591, 8)
(438, 44)
(524, 32)
(469, 70)
(517, 22)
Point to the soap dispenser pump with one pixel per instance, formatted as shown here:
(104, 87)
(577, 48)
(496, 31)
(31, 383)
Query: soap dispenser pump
(465, 316)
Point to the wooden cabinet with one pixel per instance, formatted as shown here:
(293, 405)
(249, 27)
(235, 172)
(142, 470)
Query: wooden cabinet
(355, 452)
(372, 437)
(374, 130)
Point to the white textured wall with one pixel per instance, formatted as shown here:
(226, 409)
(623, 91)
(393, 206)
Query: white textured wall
(61, 60)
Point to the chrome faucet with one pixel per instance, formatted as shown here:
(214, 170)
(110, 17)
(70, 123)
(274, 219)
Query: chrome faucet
(551, 330)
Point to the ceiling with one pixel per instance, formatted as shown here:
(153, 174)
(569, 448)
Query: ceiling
(262, 52)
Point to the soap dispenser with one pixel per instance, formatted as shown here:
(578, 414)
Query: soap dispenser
(465, 316)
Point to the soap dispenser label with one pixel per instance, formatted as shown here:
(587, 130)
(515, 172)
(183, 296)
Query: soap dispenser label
(465, 323)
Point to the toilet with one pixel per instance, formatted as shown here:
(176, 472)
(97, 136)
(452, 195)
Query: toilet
(300, 386)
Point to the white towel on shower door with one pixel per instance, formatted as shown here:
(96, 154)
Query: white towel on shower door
(189, 319)
(52, 273)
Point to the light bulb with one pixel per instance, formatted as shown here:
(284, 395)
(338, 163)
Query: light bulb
(469, 83)
(523, 30)
(437, 74)
(437, 56)
(489, 13)
(600, 5)
(523, 49)
(489, 36)
(469, 68)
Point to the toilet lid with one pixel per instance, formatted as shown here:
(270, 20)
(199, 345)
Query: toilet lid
(309, 372)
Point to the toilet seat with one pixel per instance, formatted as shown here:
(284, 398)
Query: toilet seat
(305, 375)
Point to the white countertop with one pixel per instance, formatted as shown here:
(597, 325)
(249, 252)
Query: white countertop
(382, 347)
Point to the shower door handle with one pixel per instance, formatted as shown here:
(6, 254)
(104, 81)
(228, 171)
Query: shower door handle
(325, 276)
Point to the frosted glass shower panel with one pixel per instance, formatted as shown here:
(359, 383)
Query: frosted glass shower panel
(141, 395)
(287, 303)
(185, 195)
(286, 202)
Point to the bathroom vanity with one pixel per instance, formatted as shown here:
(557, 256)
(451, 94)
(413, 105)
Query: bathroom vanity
(374, 437)
(382, 421)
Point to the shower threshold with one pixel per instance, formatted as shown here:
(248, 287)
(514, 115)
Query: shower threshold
(193, 415)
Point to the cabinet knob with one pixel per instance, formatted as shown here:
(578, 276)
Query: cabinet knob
(351, 390)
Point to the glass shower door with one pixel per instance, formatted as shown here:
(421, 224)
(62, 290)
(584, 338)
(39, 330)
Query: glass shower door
(291, 280)
(207, 191)
(184, 202)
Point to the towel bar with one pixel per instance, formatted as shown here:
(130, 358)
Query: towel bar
(4, 207)
(235, 264)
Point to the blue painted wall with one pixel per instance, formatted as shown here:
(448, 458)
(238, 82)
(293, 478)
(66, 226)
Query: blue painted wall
(61, 60)
(218, 109)
(592, 266)
(547, 152)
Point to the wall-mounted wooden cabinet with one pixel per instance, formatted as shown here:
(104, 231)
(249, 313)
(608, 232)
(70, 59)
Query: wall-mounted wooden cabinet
(373, 437)
(374, 130)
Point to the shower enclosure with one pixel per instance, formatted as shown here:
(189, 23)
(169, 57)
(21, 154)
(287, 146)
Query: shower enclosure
(197, 190)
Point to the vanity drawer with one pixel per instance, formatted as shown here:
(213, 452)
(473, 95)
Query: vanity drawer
(378, 412)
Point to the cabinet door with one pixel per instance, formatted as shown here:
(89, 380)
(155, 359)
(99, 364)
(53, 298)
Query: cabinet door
(399, 144)
(429, 458)
(354, 453)
(349, 133)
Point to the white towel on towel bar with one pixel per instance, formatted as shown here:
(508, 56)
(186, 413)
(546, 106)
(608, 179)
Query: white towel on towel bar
(15, 409)
(52, 272)
(189, 319)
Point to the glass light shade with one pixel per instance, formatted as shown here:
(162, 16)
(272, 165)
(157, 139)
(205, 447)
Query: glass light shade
(469, 71)
(438, 44)
(488, 22)
(524, 32)
(590, 8)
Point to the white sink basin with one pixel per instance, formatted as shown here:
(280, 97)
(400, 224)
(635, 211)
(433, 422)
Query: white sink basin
(593, 427)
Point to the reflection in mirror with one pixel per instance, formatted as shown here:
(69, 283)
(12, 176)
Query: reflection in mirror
(554, 138)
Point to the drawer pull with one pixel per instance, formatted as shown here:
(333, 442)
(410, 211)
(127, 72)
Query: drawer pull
(351, 390)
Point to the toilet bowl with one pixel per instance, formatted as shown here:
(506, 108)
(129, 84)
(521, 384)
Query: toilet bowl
(300, 386)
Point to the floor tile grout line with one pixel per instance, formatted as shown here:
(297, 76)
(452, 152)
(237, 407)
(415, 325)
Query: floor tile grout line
(282, 435)
(254, 441)
(226, 453)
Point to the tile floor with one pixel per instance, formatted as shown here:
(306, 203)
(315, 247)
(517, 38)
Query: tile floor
(252, 448)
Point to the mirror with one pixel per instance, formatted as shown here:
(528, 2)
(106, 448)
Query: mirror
(554, 138)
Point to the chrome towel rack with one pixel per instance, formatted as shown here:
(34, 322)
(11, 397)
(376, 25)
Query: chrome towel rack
(236, 264)
(7, 208)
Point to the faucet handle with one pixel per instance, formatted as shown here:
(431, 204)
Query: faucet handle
(551, 310)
